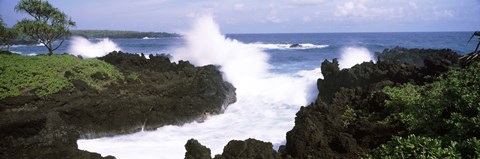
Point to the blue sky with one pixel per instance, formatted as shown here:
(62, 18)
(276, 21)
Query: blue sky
(268, 16)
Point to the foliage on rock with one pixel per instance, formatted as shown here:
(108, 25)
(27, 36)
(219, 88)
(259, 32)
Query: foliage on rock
(43, 75)
(447, 110)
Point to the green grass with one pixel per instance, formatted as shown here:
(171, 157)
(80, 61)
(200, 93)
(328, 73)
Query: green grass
(43, 75)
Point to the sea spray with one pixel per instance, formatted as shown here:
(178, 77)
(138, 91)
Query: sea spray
(351, 56)
(265, 108)
(83, 47)
(206, 45)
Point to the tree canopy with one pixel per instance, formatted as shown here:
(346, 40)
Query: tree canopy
(49, 23)
(7, 35)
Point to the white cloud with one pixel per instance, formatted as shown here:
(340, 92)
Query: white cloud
(273, 16)
(170, 15)
(307, 2)
(413, 5)
(443, 14)
(191, 15)
(360, 9)
(351, 9)
(307, 19)
(238, 7)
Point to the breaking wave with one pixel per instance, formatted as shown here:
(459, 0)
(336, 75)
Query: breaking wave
(83, 47)
(265, 108)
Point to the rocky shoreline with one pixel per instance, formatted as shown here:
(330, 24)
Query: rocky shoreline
(157, 93)
(344, 120)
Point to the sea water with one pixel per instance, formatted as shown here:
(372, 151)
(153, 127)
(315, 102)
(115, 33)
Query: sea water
(273, 81)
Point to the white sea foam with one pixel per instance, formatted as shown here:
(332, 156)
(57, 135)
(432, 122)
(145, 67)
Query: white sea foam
(351, 56)
(239, 62)
(86, 49)
(265, 108)
(302, 46)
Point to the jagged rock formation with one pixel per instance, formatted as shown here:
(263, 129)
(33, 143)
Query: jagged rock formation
(195, 150)
(235, 149)
(342, 123)
(155, 92)
(417, 56)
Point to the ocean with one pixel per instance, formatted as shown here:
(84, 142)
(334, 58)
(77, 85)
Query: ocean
(273, 81)
(316, 46)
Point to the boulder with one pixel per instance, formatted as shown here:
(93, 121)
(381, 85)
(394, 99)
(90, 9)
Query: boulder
(417, 56)
(195, 150)
(249, 148)
(295, 46)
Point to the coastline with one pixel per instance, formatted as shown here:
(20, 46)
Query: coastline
(152, 94)
(68, 116)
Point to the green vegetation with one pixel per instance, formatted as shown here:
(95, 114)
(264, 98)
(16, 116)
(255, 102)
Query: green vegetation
(120, 34)
(49, 24)
(416, 147)
(442, 118)
(427, 147)
(43, 75)
(7, 35)
(349, 116)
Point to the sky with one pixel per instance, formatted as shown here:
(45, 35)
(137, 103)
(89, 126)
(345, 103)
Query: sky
(267, 16)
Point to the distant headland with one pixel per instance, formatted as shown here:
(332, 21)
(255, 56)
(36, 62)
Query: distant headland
(112, 34)
(119, 34)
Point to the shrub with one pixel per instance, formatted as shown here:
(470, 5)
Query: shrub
(446, 110)
(43, 75)
(415, 147)
(449, 106)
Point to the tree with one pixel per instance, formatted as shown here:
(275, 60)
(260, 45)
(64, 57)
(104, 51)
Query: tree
(477, 33)
(49, 23)
(7, 35)
(475, 55)
(2, 31)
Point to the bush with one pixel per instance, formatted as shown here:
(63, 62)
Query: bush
(426, 147)
(449, 106)
(43, 75)
(446, 110)
(415, 147)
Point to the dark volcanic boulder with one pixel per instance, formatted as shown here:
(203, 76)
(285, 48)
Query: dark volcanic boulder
(295, 45)
(41, 137)
(366, 75)
(417, 56)
(154, 92)
(195, 150)
(344, 122)
(249, 148)
(159, 93)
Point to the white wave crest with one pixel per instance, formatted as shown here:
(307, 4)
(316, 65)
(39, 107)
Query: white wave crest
(239, 62)
(86, 49)
(265, 108)
(15, 46)
(354, 55)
